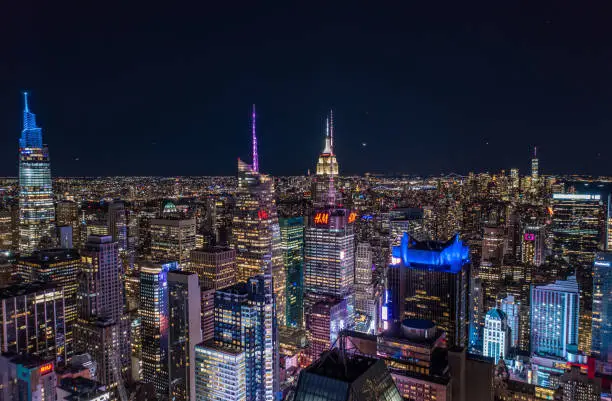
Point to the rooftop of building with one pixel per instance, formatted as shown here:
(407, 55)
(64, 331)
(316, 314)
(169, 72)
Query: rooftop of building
(334, 365)
(223, 348)
(81, 387)
(25, 288)
(52, 255)
(27, 360)
(214, 249)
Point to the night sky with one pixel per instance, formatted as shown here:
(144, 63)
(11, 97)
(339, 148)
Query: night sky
(430, 86)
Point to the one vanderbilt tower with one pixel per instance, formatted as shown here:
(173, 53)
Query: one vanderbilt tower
(36, 210)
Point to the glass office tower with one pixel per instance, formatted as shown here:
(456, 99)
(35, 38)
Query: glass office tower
(36, 209)
(292, 244)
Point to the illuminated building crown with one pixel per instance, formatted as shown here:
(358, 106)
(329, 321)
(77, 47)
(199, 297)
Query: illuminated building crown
(443, 256)
(31, 135)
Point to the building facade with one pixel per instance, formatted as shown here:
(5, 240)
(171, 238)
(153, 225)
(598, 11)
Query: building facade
(292, 244)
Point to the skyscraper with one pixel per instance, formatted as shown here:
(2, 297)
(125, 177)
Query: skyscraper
(102, 329)
(36, 209)
(20, 328)
(496, 335)
(154, 322)
(327, 169)
(535, 166)
(325, 321)
(429, 280)
(292, 243)
(184, 333)
(255, 230)
(220, 372)
(27, 377)
(216, 269)
(67, 214)
(329, 240)
(244, 320)
(533, 245)
(577, 227)
(117, 224)
(61, 267)
(512, 310)
(602, 311)
(172, 238)
(554, 317)
(364, 288)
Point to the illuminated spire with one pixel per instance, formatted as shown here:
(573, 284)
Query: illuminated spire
(328, 149)
(255, 155)
(31, 135)
(535, 152)
(331, 129)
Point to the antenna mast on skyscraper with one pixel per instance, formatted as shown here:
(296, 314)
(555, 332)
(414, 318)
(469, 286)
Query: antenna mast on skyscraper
(331, 129)
(535, 152)
(255, 156)
(26, 107)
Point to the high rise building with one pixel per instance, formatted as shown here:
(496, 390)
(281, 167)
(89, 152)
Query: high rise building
(27, 377)
(416, 355)
(6, 229)
(327, 168)
(533, 245)
(183, 334)
(36, 209)
(61, 267)
(324, 323)
(406, 220)
(220, 372)
(117, 224)
(608, 233)
(602, 311)
(172, 238)
(244, 320)
(496, 335)
(20, 332)
(255, 230)
(338, 376)
(365, 303)
(512, 309)
(577, 227)
(102, 328)
(429, 280)
(154, 315)
(216, 269)
(535, 166)
(554, 317)
(67, 215)
(292, 244)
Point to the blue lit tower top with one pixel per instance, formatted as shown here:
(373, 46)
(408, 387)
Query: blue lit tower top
(449, 256)
(31, 135)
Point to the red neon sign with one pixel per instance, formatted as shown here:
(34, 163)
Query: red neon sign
(529, 237)
(321, 218)
(46, 368)
(352, 217)
(262, 214)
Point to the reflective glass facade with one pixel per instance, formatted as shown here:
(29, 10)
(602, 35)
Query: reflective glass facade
(36, 208)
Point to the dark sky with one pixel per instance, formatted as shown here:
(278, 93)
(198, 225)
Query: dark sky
(430, 86)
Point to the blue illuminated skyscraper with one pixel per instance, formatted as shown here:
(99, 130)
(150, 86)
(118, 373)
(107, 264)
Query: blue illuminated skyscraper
(245, 322)
(429, 280)
(36, 209)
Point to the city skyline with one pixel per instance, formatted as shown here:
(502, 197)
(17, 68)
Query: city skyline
(427, 92)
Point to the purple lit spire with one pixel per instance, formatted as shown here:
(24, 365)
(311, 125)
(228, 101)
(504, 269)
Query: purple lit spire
(331, 129)
(535, 152)
(255, 156)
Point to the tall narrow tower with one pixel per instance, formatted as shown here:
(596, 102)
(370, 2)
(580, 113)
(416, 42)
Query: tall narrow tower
(255, 155)
(36, 209)
(535, 165)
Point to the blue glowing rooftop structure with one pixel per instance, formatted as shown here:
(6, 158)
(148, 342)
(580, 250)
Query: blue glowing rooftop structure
(443, 256)
(31, 135)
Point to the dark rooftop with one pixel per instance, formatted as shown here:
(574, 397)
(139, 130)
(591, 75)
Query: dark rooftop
(333, 365)
(23, 289)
